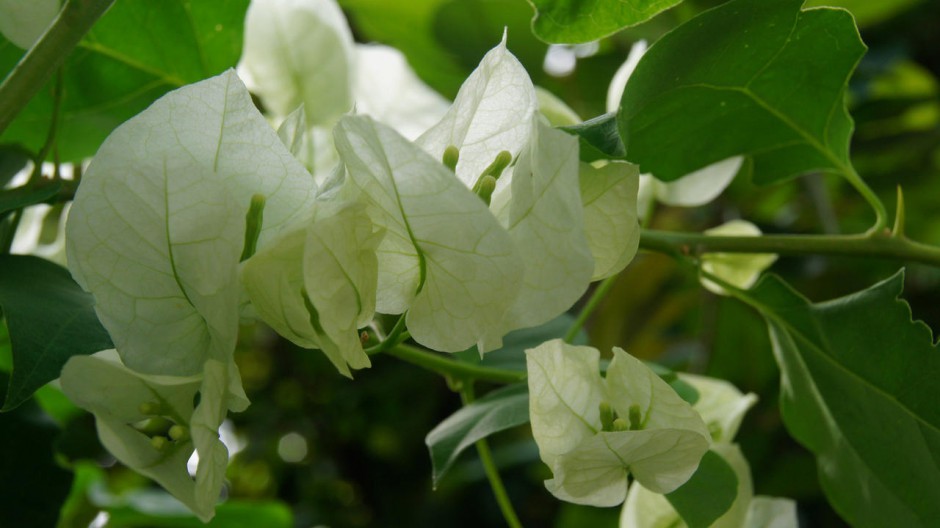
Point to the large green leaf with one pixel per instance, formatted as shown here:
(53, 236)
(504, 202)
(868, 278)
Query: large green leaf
(756, 77)
(497, 411)
(868, 13)
(708, 494)
(50, 319)
(859, 389)
(570, 21)
(137, 52)
(32, 484)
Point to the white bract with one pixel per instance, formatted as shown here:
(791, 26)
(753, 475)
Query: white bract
(722, 407)
(609, 197)
(22, 22)
(151, 425)
(300, 53)
(693, 189)
(158, 225)
(316, 285)
(740, 270)
(594, 431)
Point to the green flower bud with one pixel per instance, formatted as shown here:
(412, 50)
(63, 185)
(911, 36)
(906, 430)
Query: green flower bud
(178, 433)
(607, 417)
(636, 420)
(486, 186)
(159, 442)
(451, 156)
(157, 425)
(253, 220)
(150, 408)
(620, 425)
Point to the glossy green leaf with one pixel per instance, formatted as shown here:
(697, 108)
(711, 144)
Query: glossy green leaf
(158, 224)
(133, 55)
(20, 197)
(12, 160)
(32, 485)
(866, 12)
(859, 390)
(50, 319)
(573, 21)
(599, 138)
(497, 411)
(757, 77)
(708, 494)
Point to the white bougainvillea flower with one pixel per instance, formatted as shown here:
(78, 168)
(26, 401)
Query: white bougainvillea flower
(694, 189)
(722, 407)
(158, 225)
(738, 269)
(608, 196)
(300, 53)
(22, 22)
(444, 258)
(316, 285)
(151, 425)
(595, 431)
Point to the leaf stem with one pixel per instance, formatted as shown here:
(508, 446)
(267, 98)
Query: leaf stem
(45, 57)
(450, 367)
(492, 472)
(875, 244)
(881, 213)
(599, 293)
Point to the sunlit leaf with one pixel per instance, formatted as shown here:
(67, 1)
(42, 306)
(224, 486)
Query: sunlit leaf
(571, 21)
(756, 77)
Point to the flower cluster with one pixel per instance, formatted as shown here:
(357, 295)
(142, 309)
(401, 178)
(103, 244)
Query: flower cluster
(197, 214)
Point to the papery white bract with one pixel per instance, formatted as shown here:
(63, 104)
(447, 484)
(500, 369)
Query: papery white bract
(445, 259)
(158, 224)
(722, 406)
(661, 445)
(22, 22)
(316, 284)
(116, 395)
(740, 270)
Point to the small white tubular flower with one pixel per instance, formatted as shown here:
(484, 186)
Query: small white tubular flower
(22, 22)
(693, 189)
(738, 269)
(722, 407)
(594, 432)
(316, 284)
(299, 52)
(150, 424)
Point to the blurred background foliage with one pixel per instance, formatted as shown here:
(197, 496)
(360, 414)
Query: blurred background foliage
(319, 450)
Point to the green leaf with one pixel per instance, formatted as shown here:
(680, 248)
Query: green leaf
(497, 411)
(869, 13)
(13, 159)
(24, 196)
(708, 494)
(155, 509)
(133, 55)
(755, 77)
(574, 21)
(157, 226)
(859, 390)
(599, 138)
(50, 319)
(32, 485)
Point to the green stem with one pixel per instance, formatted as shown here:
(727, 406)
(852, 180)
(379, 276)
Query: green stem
(45, 57)
(450, 367)
(396, 336)
(881, 213)
(599, 293)
(878, 244)
(492, 472)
